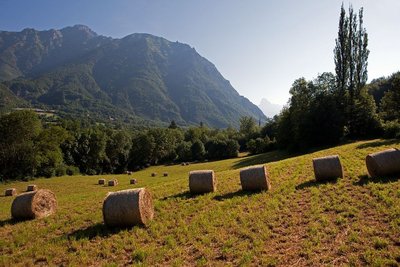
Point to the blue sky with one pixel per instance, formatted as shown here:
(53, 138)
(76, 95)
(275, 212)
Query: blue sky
(260, 46)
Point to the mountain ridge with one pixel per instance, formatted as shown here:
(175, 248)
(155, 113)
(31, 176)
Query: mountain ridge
(140, 76)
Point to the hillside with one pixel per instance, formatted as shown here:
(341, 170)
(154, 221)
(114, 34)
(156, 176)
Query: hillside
(77, 72)
(353, 221)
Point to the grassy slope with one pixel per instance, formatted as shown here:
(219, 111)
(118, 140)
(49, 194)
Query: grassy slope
(353, 221)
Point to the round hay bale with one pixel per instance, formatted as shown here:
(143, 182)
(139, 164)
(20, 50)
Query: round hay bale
(255, 178)
(327, 168)
(10, 192)
(183, 164)
(128, 207)
(202, 181)
(165, 174)
(102, 181)
(154, 174)
(31, 187)
(384, 163)
(35, 204)
(113, 182)
(133, 181)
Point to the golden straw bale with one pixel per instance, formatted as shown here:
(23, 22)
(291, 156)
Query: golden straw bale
(327, 168)
(255, 178)
(384, 163)
(113, 182)
(10, 192)
(31, 187)
(128, 207)
(34, 204)
(202, 181)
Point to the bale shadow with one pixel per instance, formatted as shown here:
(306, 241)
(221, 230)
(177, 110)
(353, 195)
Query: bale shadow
(182, 195)
(93, 231)
(315, 183)
(365, 179)
(272, 156)
(9, 222)
(379, 143)
(238, 193)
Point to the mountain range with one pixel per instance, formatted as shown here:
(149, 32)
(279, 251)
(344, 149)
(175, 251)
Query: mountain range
(138, 78)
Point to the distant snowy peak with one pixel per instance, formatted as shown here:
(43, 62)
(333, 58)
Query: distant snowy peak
(269, 109)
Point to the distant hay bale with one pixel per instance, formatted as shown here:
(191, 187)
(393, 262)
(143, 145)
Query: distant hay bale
(384, 163)
(31, 187)
(35, 204)
(255, 178)
(128, 207)
(202, 181)
(133, 181)
(102, 181)
(129, 172)
(183, 164)
(10, 192)
(154, 174)
(113, 182)
(165, 174)
(327, 168)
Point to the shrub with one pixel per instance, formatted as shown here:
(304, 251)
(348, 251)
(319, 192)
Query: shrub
(391, 129)
(71, 170)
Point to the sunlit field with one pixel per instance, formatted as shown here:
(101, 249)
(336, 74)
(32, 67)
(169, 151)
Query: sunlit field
(352, 221)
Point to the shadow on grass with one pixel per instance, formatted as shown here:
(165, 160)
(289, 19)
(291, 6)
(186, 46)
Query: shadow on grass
(182, 195)
(264, 158)
(365, 179)
(93, 231)
(315, 183)
(379, 143)
(238, 193)
(9, 222)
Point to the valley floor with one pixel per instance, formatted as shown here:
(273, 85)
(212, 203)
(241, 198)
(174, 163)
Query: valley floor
(353, 221)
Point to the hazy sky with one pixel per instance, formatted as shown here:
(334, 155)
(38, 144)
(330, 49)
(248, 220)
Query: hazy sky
(260, 46)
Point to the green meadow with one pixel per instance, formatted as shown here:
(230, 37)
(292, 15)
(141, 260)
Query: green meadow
(352, 221)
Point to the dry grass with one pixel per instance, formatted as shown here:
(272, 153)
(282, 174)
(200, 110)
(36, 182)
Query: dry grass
(354, 221)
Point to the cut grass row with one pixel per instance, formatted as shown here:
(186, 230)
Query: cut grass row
(353, 221)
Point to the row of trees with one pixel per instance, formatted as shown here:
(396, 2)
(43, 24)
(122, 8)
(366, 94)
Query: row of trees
(32, 148)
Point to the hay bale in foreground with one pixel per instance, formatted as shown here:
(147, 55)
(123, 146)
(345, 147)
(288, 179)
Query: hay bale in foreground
(35, 204)
(133, 181)
(113, 182)
(384, 163)
(154, 174)
(255, 178)
(165, 174)
(102, 181)
(10, 192)
(128, 207)
(202, 181)
(31, 187)
(327, 168)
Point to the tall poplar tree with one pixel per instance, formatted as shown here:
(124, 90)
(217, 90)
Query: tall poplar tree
(351, 62)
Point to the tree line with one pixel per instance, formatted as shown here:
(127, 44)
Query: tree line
(31, 147)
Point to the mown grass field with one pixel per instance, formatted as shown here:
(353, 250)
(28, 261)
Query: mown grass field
(353, 221)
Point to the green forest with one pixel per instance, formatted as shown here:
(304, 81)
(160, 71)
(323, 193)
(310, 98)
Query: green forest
(330, 109)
